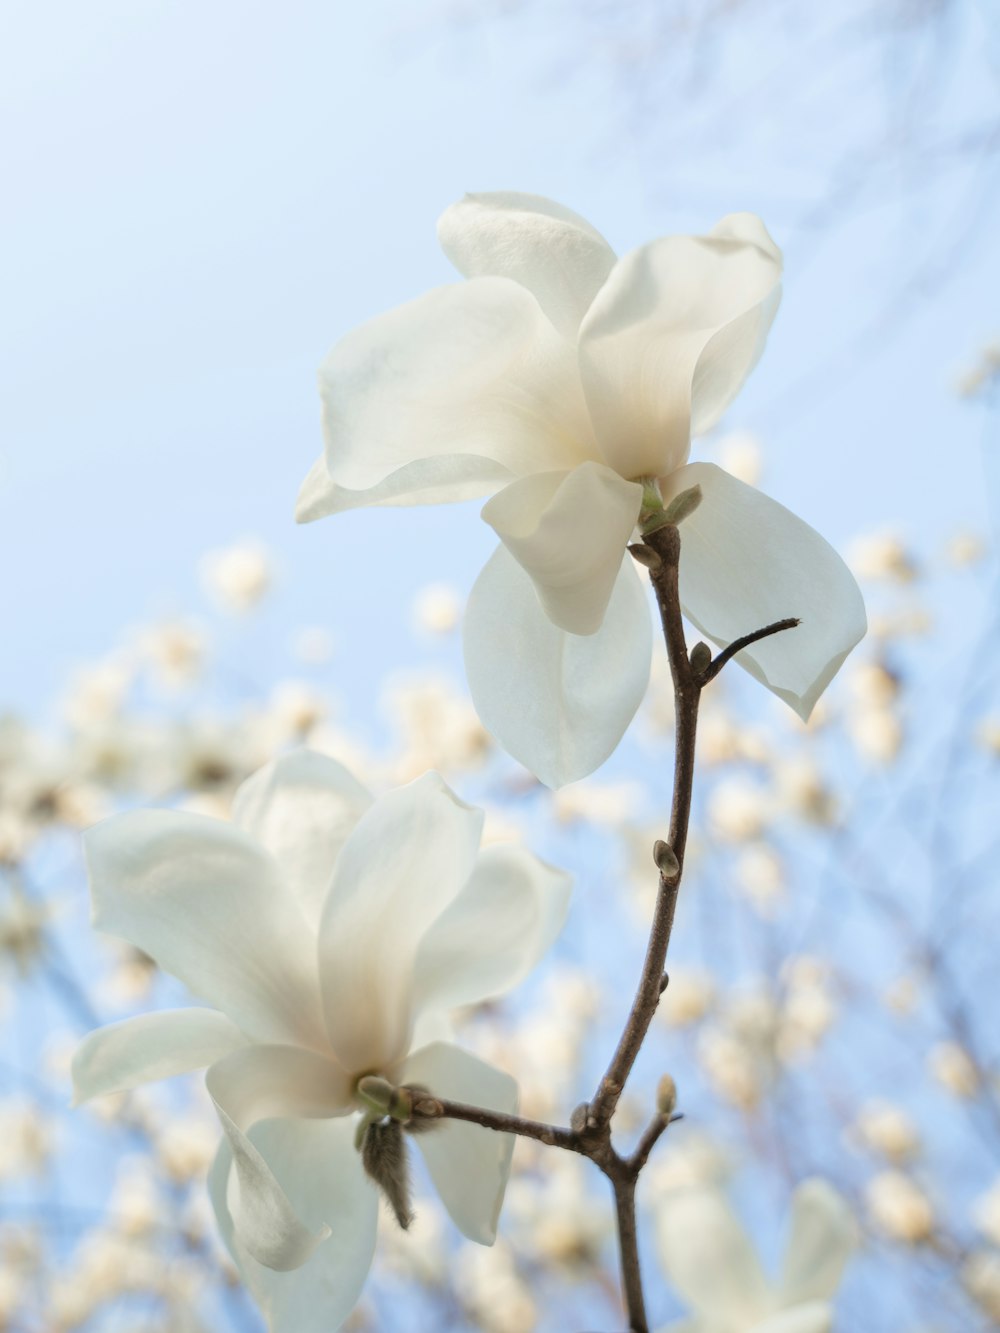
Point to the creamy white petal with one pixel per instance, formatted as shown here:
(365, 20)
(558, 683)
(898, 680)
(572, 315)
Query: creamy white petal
(545, 247)
(558, 702)
(709, 1258)
(816, 1317)
(671, 337)
(265, 1220)
(472, 369)
(468, 1164)
(262, 1083)
(302, 807)
(494, 933)
(823, 1235)
(206, 901)
(405, 861)
(320, 1171)
(427, 481)
(747, 561)
(149, 1047)
(568, 530)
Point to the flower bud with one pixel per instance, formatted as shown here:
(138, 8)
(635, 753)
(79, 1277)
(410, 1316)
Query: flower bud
(701, 657)
(645, 555)
(666, 1096)
(665, 858)
(683, 506)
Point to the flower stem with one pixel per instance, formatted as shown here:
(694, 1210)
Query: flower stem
(590, 1131)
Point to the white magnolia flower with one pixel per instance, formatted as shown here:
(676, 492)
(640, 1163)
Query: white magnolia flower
(560, 376)
(331, 934)
(714, 1267)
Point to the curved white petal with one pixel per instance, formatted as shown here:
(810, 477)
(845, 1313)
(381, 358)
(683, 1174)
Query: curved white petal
(747, 561)
(545, 247)
(263, 1217)
(320, 1171)
(206, 902)
(495, 931)
(468, 1164)
(472, 369)
(709, 1258)
(816, 1317)
(405, 861)
(302, 807)
(672, 335)
(444, 480)
(149, 1047)
(823, 1236)
(261, 1083)
(558, 702)
(568, 530)
(264, 1082)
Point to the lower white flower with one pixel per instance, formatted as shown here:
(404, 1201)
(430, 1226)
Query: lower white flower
(713, 1265)
(332, 933)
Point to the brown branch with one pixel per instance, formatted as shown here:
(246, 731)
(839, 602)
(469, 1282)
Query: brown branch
(648, 1141)
(439, 1108)
(665, 543)
(737, 646)
(628, 1249)
(590, 1131)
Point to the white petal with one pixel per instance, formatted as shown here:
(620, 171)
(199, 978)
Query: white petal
(558, 702)
(568, 531)
(747, 561)
(302, 807)
(816, 1317)
(206, 902)
(408, 857)
(320, 1172)
(149, 1047)
(709, 1258)
(823, 1236)
(427, 481)
(473, 369)
(671, 337)
(262, 1083)
(545, 247)
(468, 1164)
(495, 931)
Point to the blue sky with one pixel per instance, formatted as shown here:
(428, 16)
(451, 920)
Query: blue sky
(206, 197)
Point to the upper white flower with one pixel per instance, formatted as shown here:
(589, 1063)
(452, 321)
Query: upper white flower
(712, 1263)
(560, 376)
(332, 934)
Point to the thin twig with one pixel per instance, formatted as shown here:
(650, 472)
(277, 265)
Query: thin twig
(737, 646)
(554, 1136)
(665, 542)
(648, 1141)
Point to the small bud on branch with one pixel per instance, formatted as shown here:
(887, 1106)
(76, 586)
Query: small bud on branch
(666, 1097)
(665, 859)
